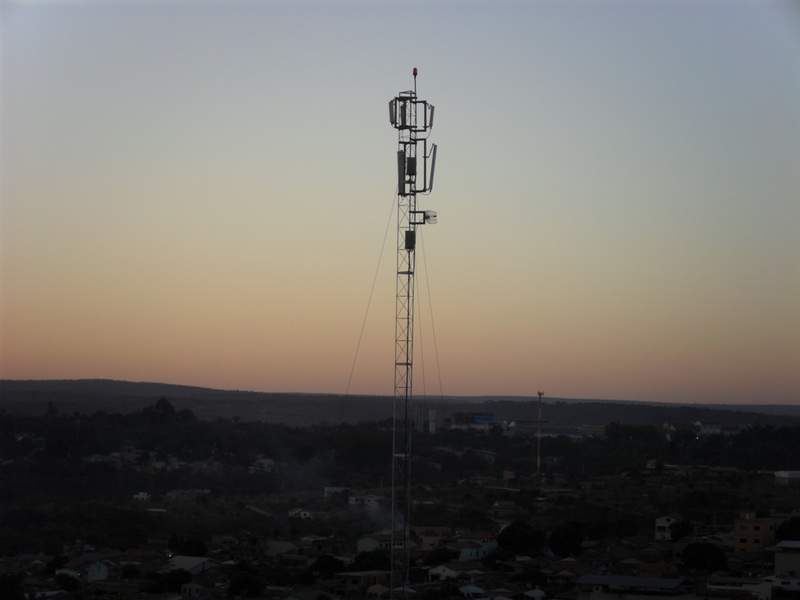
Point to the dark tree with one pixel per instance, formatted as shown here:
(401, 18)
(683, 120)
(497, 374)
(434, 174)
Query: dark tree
(67, 582)
(173, 580)
(326, 566)
(705, 557)
(246, 583)
(376, 560)
(680, 529)
(187, 547)
(440, 556)
(131, 572)
(164, 407)
(521, 538)
(11, 586)
(789, 530)
(565, 540)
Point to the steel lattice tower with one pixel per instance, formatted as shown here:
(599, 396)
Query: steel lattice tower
(416, 163)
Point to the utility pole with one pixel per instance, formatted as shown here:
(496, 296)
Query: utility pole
(416, 163)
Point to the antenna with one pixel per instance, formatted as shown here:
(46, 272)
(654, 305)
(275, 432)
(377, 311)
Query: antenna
(413, 127)
(433, 167)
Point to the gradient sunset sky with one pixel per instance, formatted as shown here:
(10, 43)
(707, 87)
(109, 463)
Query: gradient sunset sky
(196, 193)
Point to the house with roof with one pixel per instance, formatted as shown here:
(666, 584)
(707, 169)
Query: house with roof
(369, 501)
(469, 550)
(193, 564)
(300, 513)
(93, 566)
(787, 558)
(334, 491)
(472, 592)
(628, 587)
(262, 464)
(431, 537)
(468, 570)
(352, 584)
(663, 528)
(380, 540)
(504, 509)
(195, 591)
(754, 533)
(787, 477)
(739, 587)
(275, 548)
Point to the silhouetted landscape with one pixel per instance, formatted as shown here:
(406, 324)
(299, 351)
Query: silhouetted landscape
(90, 395)
(155, 497)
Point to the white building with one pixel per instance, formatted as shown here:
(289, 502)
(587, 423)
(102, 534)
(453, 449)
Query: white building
(441, 573)
(300, 513)
(97, 571)
(663, 528)
(330, 491)
(382, 540)
(366, 500)
(472, 592)
(262, 465)
(787, 477)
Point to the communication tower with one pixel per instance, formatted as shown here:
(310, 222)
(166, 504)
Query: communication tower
(539, 440)
(416, 164)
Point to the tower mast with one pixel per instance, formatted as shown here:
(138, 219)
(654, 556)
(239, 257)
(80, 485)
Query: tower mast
(416, 163)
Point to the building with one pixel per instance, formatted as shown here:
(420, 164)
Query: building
(425, 419)
(354, 584)
(472, 592)
(737, 587)
(471, 550)
(787, 558)
(470, 420)
(300, 513)
(626, 587)
(431, 537)
(382, 540)
(184, 495)
(193, 564)
(262, 465)
(504, 509)
(275, 548)
(98, 571)
(705, 429)
(468, 570)
(784, 584)
(194, 591)
(754, 533)
(787, 477)
(365, 500)
(663, 528)
(333, 491)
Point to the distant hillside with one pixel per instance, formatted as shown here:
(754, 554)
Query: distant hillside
(92, 395)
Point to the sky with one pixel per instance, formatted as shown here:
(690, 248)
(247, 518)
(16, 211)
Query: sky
(197, 192)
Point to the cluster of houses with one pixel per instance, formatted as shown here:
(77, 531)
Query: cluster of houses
(450, 563)
(310, 557)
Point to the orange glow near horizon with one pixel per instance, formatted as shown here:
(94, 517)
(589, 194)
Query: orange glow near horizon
(617, 192)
